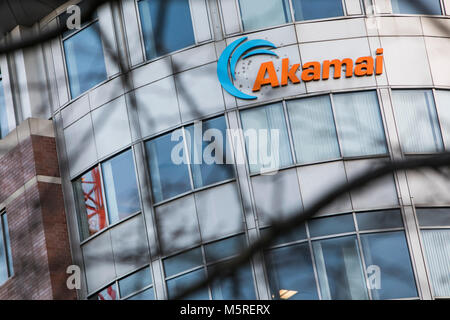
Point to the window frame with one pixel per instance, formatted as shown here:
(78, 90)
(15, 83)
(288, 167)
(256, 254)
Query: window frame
(109, 225)
(63, 38)
(187, 155)
(142, 39)
(356, 233)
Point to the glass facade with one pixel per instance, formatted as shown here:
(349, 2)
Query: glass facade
(317, 9)
(166, 26)
(4, 128)
(362, 260)
(257, 14)
(432, 7)
(188, 152)
(85, 59)
(6, 263)
(115, 182)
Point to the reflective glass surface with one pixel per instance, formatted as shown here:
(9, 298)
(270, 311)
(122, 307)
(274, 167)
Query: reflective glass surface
(317, 9)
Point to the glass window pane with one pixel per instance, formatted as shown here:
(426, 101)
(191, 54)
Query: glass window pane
(169, 178)
(375, 220)
(434, 217)
(313, 129)
(437, 248)
(416, 7)
(85, 60)
(359, 124)
(182, 262)
(208, 158)
(4, 129)
(298, 234)
(417, 120)
(443, 111)
(225, 248)
(266, 127)
(176, 286)
(257, 14)
(317, 9)
(3, 258)
(148, 294)
(166, 31)
(388, 264)
(332, 225)
(135, 282)
(291, 273)
(109, 293)
(121, 191)
(240, 286)
(340, 269)
(91, 210)
(7, 245)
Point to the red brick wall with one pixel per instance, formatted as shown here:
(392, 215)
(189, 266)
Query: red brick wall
(37, 223)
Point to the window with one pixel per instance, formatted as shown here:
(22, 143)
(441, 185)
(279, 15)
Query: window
(185, 269)
(6, 263)
(418, 125)
(169, 165)
(172, 33)
(359, 124)
(443, 111)
(85, 60)
(435, 229)
(417, 6)
(266, 138)
(136, 286)
(313, 129)
(257, 14)
(4, 130)
(379, 269)
(317, 9)
(121, 191)
(117, 180)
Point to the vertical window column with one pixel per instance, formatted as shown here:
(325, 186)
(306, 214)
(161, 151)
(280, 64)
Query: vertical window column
(6, 263)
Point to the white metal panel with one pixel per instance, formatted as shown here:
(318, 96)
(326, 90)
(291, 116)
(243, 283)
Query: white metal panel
(281, 36)
(331, 30)
(406, 61)
(60, 71)
(74, 111)
(80, 145)
(177, 224)
(202, 29)
(106, 92)
(353, 7)
(435, 27)
(313, 185)
(446, 7)
(399, 26)
(277, 196)
(108, 39)
(380, 193)
(230, 16)
(157, 106)
(199, 92)
(219, 211)
(99, 262)
(132, 31)
(151, 72)
(438, 52)
(382, 6)
(111, 127)
(129, 244)
(194, 57)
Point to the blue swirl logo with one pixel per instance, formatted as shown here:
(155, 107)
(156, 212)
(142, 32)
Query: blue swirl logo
(230, 57)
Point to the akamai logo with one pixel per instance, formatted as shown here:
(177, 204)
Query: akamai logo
(230, 57)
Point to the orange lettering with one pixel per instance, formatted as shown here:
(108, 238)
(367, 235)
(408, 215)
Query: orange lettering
(311, 74)
(287, 73)
(364, 66)
(379, 60)
(337, 68)
(266, 67)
